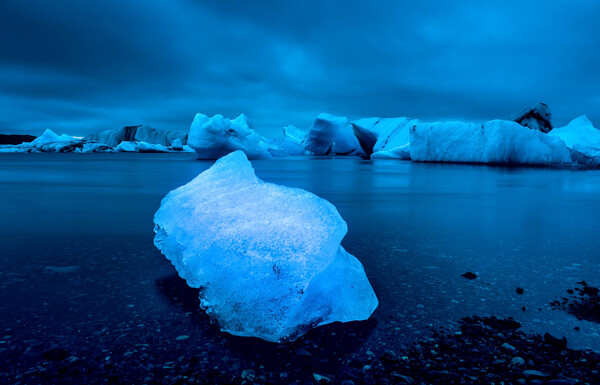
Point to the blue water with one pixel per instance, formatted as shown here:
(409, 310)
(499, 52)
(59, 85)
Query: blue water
(415, 227)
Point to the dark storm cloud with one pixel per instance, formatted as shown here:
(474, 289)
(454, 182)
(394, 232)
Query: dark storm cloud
(81, 67)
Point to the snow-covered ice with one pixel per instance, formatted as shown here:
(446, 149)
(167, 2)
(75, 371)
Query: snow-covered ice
(496, 141)
(332, 135)
(215, 137)
(267, 257)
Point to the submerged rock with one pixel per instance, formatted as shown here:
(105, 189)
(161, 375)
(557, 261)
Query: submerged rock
(267, 258)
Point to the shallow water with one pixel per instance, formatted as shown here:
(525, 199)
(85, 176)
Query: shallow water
(415, 227)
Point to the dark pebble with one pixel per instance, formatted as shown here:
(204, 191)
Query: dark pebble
(551, 340)
(56, 354)
(469, 275)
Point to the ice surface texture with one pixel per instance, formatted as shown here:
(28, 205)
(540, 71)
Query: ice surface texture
(267, 258)
(496, 142)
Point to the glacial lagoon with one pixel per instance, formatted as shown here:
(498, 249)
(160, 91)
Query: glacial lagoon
(79, 271)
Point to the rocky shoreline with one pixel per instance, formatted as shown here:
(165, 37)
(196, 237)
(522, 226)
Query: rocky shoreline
(483, 350)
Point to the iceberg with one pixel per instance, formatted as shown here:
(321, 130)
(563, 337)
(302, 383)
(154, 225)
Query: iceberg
(50, 137)
(580, 135)
(133, 146)
(401, 152)
(294, 134)
(215, 137)
(165, 138)
(49, 141)
(140, 133)
(332, 135)
(127, 146)
(384, 138)
(284, 147)
(495, 142)
(177, 144)
(267, 258)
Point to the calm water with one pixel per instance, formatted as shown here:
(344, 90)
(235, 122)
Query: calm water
(415, 227)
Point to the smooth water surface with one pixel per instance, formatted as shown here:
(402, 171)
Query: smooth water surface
(415, 227)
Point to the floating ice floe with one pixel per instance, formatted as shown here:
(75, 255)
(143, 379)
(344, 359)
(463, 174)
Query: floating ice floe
(495, 142)
(215, 137)
(331, 135)
(267, 258)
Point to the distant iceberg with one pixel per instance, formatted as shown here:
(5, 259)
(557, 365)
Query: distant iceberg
(331, 135)
(215, 137)
(294, 134)
(134, 146)
(267, 258)
(49, 141)
(580, 135)
(384, 138)
(494, 142)
(140, 133)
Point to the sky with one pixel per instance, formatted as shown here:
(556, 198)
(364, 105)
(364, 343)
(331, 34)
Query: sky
(80, 67)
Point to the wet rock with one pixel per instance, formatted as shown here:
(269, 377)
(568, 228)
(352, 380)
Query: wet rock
(561, 382)
(508, 347)
(519, 290)
(517, 361)
(56, 354)
(389, 356)
(402, 378)
(584, 303)
(469, 275)
(502, 324)
(534, 374)
(248, 374)
(551, 340)
(320, 379)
